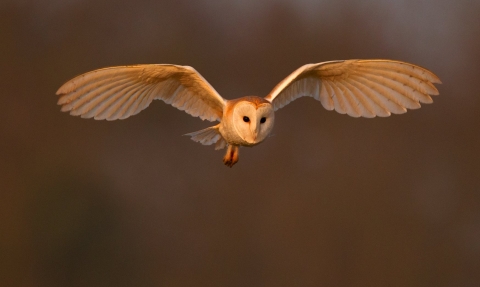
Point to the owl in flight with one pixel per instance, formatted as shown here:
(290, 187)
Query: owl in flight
(359, 88)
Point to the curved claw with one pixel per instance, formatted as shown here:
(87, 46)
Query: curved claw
(231, 157)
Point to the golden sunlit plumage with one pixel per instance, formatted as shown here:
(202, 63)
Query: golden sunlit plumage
(359, 88)
(119, 92)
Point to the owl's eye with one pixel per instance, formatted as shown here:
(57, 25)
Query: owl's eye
(246, 119)
(262, 120)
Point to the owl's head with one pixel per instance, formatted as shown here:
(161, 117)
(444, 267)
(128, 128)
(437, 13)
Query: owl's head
(253, 119)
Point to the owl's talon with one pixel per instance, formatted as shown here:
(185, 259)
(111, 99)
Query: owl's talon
(231, 157)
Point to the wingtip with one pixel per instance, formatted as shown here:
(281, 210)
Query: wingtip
(65, 88)
(60, 101)
(434, 79)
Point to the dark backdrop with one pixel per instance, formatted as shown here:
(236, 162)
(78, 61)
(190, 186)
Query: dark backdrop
(329, 200)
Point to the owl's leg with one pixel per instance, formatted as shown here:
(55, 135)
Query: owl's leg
(231, 157)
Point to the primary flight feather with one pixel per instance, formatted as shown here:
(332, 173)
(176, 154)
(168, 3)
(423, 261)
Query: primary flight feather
(359, 88)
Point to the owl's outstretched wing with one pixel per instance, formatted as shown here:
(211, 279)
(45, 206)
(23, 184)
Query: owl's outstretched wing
(359, 88)
(119, 92)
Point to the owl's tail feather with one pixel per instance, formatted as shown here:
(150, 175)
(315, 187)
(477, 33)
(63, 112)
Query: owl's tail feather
(209, 136)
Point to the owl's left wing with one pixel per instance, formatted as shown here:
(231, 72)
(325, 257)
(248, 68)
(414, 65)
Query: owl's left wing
(359, 88)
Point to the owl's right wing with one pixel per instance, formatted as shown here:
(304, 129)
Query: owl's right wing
(119, 92)
(365, 88)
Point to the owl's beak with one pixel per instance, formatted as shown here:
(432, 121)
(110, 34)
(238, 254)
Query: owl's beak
(254, 128)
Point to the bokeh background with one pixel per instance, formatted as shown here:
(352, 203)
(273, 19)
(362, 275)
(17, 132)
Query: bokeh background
(329, 200)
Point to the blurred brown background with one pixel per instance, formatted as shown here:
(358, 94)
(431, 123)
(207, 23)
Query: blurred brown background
(328, 201)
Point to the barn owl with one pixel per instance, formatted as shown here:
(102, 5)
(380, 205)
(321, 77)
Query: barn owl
(359, 88)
